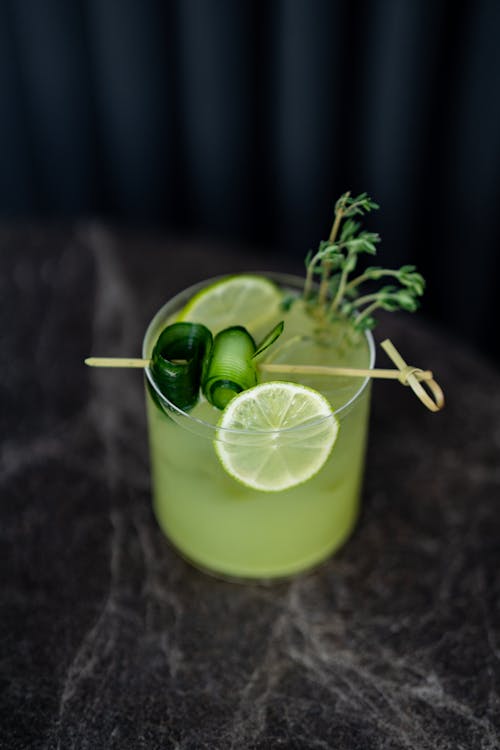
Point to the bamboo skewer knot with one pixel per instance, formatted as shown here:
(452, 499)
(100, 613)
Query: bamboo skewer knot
(410, 376)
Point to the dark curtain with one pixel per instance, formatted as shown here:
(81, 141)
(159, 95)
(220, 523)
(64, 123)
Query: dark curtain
(245, 120)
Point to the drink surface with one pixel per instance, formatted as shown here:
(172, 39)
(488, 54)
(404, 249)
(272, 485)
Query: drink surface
(233, 530)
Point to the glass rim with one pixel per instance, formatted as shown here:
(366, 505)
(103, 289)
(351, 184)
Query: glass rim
(282, 278)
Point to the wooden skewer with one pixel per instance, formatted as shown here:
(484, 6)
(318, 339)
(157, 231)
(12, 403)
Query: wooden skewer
(346, 371)
(406, 374)
(277, 368)
(116, 362)
(410, 376)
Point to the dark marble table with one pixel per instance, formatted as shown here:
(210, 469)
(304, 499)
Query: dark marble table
(109, 640)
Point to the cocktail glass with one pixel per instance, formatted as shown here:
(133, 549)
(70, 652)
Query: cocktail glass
(233, 531)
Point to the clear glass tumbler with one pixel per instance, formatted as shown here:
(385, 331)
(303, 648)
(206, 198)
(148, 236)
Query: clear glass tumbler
(227, 528)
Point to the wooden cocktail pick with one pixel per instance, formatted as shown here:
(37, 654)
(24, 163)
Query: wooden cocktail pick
(406, 374)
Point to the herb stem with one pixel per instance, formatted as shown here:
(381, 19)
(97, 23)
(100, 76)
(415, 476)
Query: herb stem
(323, 287)
(341, 288)
(327, 264)
(309, 277)
(339, 215)
(308, 281)
(368, 311)
(367, 298)
(367, 276)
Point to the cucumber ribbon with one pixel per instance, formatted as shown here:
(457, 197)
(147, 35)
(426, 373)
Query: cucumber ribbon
(187, 358)
(177, 362)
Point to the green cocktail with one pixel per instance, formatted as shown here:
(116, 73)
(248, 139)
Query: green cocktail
(225, 526)
(257, 394)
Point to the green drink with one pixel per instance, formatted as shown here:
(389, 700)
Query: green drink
(257, 395)
(225, 526)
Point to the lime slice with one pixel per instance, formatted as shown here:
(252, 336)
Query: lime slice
(245, 300)
(288, 433)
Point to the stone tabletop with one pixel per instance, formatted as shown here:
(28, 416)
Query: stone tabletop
(109, 640)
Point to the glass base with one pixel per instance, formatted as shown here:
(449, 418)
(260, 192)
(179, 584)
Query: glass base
(296, 570)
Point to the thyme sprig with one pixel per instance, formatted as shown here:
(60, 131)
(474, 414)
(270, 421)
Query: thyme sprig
(332, 265)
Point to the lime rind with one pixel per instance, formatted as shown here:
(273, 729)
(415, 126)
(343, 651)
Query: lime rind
(284, 444)
(248, 300)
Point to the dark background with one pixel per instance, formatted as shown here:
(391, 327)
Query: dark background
(243, 121)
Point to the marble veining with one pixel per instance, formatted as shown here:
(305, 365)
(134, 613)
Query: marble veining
(110, 640)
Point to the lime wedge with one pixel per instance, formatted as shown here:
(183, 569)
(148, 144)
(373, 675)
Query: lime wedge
(283, 434)
(245, 300)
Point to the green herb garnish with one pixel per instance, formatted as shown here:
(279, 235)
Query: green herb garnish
(331, 291)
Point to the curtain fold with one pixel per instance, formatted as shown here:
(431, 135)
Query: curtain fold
(304, 117)
(57, 102)
(132, 84)
(473, 166)
(395, 111)
(19, 191)
(215, 63)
